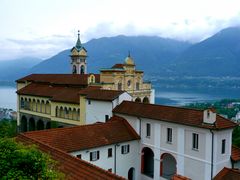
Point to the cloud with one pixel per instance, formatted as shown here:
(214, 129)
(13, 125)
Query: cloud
(42, 47)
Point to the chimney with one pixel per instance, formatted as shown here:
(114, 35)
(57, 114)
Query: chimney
(209, 116)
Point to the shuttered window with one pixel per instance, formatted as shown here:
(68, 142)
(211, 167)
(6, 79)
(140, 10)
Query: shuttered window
(94, 155)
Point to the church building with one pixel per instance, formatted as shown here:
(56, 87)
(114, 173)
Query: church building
(77, 98)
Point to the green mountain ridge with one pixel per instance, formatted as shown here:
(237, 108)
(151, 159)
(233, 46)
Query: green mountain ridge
(216, 56)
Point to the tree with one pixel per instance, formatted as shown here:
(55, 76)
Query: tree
(8, 128)
(236, 136)
(18, 161)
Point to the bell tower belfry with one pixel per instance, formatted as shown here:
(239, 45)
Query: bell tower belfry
(78, 58)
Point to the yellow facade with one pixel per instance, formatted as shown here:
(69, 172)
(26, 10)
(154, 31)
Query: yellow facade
(127, 78)
(42, 107)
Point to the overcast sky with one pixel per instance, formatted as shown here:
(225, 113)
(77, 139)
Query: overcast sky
(42, 28)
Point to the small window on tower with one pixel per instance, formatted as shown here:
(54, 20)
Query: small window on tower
(74, 69)
(137, 86)
(82, 70)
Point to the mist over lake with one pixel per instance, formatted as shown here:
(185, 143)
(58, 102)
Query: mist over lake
(8, 97)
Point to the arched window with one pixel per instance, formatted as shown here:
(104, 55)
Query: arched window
(92, 79)
(47, 108)
(74, 70)
(57, 112)
(61, 113)
(82, 69)
(34, 105)
(146, 100)
(43, 110)
(74, 114)
(38, 106)
(23, 124)
(168, 166)
(22, 103)
(147, 162)
(66, 113)
(138, 99)
(78, 114)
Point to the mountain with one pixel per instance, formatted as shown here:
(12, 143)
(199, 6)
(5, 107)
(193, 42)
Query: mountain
(105, 52)
(218, 55)
(12, 69)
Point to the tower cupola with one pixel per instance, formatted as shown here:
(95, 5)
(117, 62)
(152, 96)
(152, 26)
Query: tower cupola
(78, 58)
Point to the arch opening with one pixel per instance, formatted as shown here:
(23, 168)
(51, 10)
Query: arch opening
(147, 163)
(168, 166)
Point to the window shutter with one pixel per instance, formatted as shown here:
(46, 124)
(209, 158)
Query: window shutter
(97, 154)
(122, 149)
(90, 156)
(128, 148)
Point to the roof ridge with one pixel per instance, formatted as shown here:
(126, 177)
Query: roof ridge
(178, 107)
(129, 127)
(66, 128)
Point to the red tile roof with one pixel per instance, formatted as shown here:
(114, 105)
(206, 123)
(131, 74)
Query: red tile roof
(64, 79)
(68, 94)
(190, 117)
(55, 93)
(235, 156)
(104, 95)
(71, 139)
(72, 167)
(228, 174)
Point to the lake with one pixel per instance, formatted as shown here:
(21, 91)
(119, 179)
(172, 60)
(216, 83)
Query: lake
(8, 97)
(172, 96)
(179, 96)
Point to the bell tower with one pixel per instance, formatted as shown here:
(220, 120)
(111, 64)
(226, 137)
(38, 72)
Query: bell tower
(78, 58)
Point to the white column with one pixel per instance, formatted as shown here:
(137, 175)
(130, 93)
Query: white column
(157, 138)
(180, 150)
(208, 155)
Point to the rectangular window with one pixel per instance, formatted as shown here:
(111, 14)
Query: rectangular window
(109, 152)
(79, 156)
(195, 141)
(137, 86)
(148, 129)
(223, 146)
(125, 149)
(106, 118)
(89, 102)
(169, 135)
(94, 155)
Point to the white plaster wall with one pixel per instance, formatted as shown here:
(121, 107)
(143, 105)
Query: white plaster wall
(147, 140)
(133, 121)
(123, 161)
(200, 153)
(125, 96)
(195, 169)
(222, 160)
(195, 164)
(96, 111)
(152, 96)
(164, 144)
